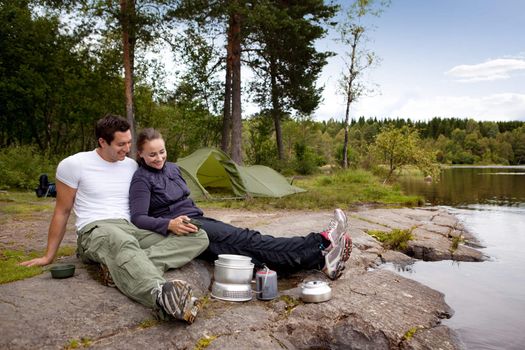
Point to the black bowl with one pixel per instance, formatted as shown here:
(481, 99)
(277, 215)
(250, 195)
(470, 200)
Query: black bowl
(62, 271)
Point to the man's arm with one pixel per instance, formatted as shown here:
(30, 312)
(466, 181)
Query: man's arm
(57, 227)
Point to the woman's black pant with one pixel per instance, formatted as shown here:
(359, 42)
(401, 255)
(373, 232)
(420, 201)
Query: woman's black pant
(282, 254)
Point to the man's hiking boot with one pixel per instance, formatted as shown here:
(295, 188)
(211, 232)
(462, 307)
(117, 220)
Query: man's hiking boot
(176, 299)
(340, 245)
(105, 276)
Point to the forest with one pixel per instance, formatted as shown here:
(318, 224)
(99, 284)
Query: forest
(64, 64)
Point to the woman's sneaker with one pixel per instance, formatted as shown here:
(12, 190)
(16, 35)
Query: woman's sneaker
(340, 245)
(176, 299)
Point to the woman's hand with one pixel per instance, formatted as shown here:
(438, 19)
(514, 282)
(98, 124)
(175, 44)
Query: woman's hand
(181, 226)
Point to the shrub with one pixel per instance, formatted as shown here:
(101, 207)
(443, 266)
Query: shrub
(305, 160)
(396, 239)
(20, 167)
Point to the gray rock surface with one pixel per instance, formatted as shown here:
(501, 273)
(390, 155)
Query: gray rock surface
(371, 308)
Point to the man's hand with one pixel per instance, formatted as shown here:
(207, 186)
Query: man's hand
(43, 261)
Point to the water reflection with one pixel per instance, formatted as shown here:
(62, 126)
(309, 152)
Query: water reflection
(488, 297)
(459, 186)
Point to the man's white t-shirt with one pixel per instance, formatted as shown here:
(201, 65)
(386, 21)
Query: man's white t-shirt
(102, 186)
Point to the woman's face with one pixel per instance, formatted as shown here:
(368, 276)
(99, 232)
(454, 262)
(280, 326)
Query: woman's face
(154, 153)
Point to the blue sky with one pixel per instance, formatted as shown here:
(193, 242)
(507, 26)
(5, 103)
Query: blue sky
(446, 58)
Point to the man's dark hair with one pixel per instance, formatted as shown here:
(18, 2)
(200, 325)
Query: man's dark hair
(107, 126)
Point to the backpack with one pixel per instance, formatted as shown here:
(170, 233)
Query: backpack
(45, 188)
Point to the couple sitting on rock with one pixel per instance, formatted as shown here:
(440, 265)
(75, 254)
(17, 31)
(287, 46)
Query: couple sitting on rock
(136, 221)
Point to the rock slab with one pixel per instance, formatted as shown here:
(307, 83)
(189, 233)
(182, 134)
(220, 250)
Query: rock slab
(371, 308)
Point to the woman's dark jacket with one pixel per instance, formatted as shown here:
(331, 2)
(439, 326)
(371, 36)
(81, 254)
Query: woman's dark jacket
(157, 196)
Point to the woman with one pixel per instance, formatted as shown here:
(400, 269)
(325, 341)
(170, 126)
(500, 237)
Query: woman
(160, 202)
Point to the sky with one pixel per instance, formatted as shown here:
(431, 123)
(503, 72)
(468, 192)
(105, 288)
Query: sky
(439, 58)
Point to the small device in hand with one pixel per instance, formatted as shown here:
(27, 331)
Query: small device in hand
(193, 222)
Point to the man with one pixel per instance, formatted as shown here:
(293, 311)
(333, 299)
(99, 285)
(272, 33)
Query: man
(95, 185)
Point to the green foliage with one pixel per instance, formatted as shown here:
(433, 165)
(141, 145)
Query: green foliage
(204, 342)
(11, 271)
(72, 344)
(260, 145)
(399, 147)
(410, 333)
(291, 303)
(75, 343)
(21, 166)
(456, 240)
(21, 202)
(148, 323)
(52, 87)
(352, 155)
(396, 239)
(55, 81)
(343, 189)
(185, 125)
(306, 161)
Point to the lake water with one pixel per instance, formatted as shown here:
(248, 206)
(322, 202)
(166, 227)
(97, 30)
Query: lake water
(488, 297)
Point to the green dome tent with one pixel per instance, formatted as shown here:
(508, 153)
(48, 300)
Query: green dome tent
(209, 167)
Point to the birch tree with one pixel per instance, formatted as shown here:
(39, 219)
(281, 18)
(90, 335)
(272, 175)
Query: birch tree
(357, 58)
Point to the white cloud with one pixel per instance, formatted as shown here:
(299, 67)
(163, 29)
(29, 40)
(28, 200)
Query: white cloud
(496, 69)
(495, 107)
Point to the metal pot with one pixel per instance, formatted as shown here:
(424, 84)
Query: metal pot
(232, 259)
(234, 274)
(231, 292)
(315, 292)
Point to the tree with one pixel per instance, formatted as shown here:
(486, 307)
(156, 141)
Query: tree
(285, 59)
(359, 59)
(51, 86)
(399, 147)
(135, 23)
(231, 15)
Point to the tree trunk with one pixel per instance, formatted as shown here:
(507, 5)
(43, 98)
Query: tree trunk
(227, 114)
(236, 144)
(276, 111)
(345, 144)
(127, 15)
(349, 96)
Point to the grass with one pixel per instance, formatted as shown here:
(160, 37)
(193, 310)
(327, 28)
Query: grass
(148, 323)
(11, 271)
(75, 343)
(397, 239)
(456, 240)
(291, 303)
(344, 189)
(410, 333)
(204, 342)
(24, 204)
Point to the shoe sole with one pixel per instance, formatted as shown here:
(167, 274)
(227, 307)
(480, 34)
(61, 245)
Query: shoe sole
(340, 230)
(342, 254)
(184, 301)
(190, 315)
(347, 250)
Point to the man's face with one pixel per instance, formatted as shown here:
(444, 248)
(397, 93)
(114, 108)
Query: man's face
(119, 147)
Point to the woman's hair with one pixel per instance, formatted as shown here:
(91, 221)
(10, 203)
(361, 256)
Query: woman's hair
(144, 136)
(107, 126)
